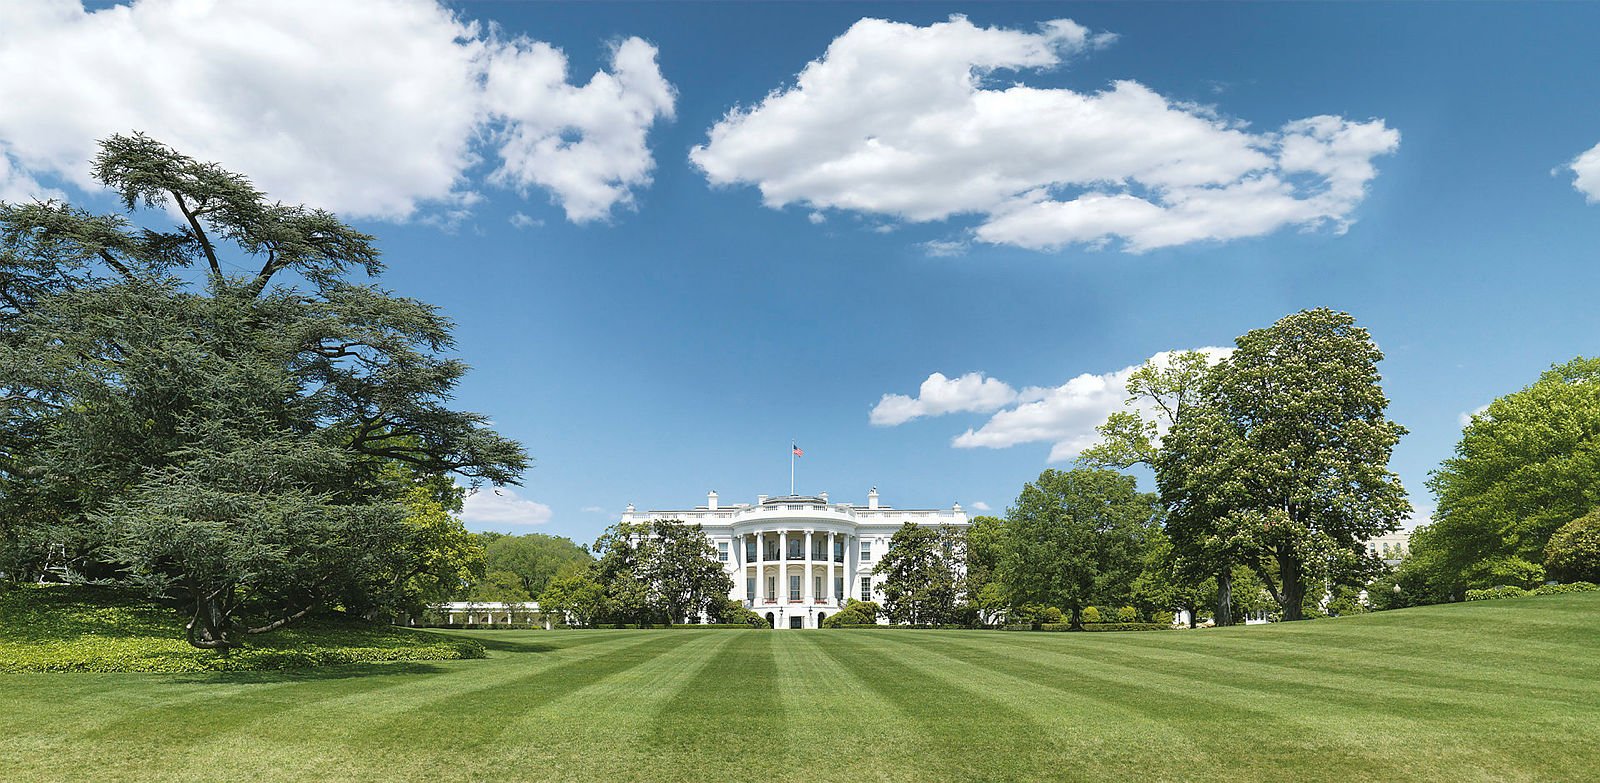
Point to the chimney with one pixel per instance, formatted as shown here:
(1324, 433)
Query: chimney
(872, 498)
(824, 496)
(711, 500)
(761, 499)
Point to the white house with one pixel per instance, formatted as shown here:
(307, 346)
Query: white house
(796, 559)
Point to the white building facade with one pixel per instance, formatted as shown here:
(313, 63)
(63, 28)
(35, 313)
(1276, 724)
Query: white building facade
(796, 559)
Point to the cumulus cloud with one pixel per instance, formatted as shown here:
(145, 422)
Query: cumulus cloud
(372, 108)
(1587, 169)
(940, 395)
(979, 505)
(502, 507)
(916, 123)
(1065, 416)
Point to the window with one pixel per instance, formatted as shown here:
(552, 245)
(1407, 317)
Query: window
(750, 589)
(749, 550)
(866, 588)
(817, 545)
(838, 550)
(794, 549)
(838, 588)
(866, 550)
(794, 587)
(816, 587)
(722, 551)
(772, 588)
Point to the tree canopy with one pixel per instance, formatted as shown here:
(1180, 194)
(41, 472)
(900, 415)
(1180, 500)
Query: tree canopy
(216, 410)
(1524, 467)
(1075, 538)
(922, 574)
(1285, 465)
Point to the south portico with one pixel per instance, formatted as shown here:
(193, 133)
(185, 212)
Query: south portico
(796, 559)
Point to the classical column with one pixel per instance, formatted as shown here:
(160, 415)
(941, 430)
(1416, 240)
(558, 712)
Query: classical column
(783, 567)
(850, 554)
(829, 589)
(761, 570)
(806, 587)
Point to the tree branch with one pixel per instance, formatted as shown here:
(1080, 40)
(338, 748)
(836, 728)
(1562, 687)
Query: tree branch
(200, 233)
(282, 621)
(112, 262)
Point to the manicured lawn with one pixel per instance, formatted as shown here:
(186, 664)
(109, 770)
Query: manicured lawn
(1493, 691)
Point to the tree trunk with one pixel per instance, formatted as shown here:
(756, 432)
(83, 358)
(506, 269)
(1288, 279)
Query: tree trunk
(1294, 587)
(1077, 619)
(1193, 609)
(1224, 597)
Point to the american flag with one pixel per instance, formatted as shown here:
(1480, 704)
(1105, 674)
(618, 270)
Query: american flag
(797, 451)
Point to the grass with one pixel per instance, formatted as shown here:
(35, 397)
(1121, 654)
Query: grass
(82, 629)
(1487, 691)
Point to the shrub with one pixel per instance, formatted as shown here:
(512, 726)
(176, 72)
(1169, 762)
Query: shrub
(1127, 614)
(1108, 627)
(1570, 587)
(1573, 551)
(59, 629)
(1050, 615)
(1492, 593)
(847, 617)
(1092, 615)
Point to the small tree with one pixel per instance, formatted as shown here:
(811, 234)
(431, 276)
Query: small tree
(922, 574)
(1075, 537)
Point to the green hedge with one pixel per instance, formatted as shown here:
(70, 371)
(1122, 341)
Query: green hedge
(1107, 627)
(1492, 593)
(1570, 587)
(81, 629)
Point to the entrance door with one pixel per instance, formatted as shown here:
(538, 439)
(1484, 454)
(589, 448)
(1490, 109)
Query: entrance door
(772, 622)
(797, 622)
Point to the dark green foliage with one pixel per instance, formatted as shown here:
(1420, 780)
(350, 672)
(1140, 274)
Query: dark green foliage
(1284, 465)
(1492, 593)
(1074, 538)
(921, 573)
(658, 572)
(1573, 551)
(1108, 626)
(97, 629)
(244, 447)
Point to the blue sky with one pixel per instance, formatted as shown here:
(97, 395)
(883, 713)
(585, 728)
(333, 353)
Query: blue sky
(678, 342)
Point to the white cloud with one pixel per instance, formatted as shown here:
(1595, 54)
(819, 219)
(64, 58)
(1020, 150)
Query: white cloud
(1587, 169)
(979, 505)
(502, 507)
(1064, 416)
(912, 123)
(521, 220)
(940, 395)
(593, 510)
(943, 248)
(372, 108)
(817, 218)
(1465, 417)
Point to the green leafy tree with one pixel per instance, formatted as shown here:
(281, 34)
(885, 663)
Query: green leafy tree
(239, 443)
(1573, 553)
(1161, 393)
(1075, 538)
(577, 596)
(984, 547)
(921, 575)
(1286, 464)
(534, 559)
(662, 571)
(1524, 467)
(689, 580)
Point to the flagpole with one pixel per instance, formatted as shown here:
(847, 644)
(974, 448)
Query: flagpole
(791, 467)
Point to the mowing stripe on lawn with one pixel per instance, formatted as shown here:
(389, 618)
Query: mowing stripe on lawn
(722, 725)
